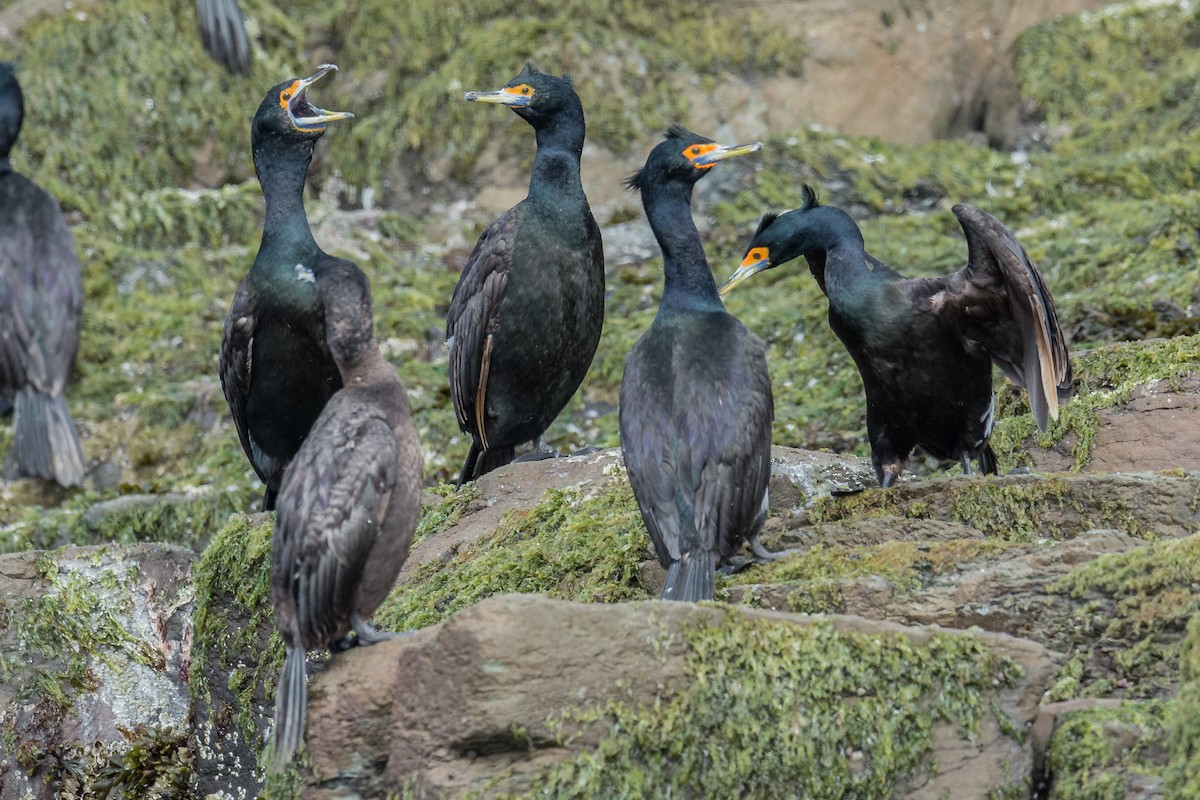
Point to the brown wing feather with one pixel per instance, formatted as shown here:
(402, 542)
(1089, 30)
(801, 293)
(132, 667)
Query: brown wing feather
(331, 502)
(473, 318)
(1000, 300)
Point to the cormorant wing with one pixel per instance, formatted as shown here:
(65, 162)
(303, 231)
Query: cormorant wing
(474, 316)
(40, 291)
(707, 457)
(333, 499)
(1000, 300)
(235, 363)
(224, 33)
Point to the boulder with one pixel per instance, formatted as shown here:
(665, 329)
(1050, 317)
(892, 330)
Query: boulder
(522, 694)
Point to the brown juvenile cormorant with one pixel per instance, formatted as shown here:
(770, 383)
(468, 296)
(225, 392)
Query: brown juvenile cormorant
(925, 346)
(224, 33)
(696, 405)
(41, 303)
(525, 318)
(348, 504)
(276, 368)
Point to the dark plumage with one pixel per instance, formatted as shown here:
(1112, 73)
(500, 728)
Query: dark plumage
(276, 369)
(696, 405)
(525, 318)
(41, 303)
(224, 33)
(348, 504)
(925, 346)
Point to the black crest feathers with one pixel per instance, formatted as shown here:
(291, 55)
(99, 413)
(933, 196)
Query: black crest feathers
(810, 198)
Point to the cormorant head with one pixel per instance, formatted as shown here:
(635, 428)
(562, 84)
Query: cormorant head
(534, 95)
(12, 108)
(778, 240)
(286, 111)
(684, 156)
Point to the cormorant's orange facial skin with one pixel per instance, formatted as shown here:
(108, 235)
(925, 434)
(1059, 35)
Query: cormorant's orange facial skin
(285, 97)
(755, 256)
(524, 90)
(694, 151)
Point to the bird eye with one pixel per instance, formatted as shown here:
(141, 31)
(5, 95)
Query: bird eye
(758, 254)
(525, 89)
(695, 150)
(286, 94)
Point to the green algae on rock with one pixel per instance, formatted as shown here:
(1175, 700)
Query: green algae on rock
(1183, 770)
(767, 704)
(1094, 751)
(234, 617)
(573, 545)
(1136, 607)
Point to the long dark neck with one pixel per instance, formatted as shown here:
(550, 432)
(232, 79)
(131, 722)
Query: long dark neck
(555, 174)
(687, 279)
(5, 165)
(282, 167)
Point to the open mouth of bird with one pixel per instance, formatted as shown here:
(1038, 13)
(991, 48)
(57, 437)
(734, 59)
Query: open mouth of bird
(304, 114)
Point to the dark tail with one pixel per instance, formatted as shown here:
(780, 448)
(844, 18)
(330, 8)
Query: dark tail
(291, 706)
(45, 442)
(691, 578)
(987, 459)
(480, 462)
(269, 495)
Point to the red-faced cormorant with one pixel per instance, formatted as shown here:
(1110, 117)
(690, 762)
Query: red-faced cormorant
(925, 346)
(276, 368)
(348, 504)
(224, 33)
(41, 303)
(525, 318)
(696, 404)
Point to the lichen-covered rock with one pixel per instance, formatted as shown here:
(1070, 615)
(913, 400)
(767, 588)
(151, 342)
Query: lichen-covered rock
(95, 649)
(521, 696)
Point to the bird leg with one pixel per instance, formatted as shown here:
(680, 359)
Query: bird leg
(965, 461)
(764, 556)
(540, 451)
(366, 633)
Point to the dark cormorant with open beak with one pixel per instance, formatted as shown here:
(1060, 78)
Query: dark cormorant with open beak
(41, 306)
(925, 346)
(526, 314)
(696, 405)
(276, 369)
(348, 504)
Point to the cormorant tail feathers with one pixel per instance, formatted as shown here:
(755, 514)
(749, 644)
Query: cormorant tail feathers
(45, 442)
(291, 706)
(987, 459)
(690, 579)
(480, 462)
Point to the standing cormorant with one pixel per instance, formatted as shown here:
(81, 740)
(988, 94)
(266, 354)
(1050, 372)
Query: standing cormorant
(348, 504)
(224, 33)
(276, 369)
(41, 303)
(925, 346)
(526, 314)
(696, 405)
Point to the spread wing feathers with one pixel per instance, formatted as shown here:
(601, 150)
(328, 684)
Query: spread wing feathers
(1000, 300)
(235, 364)
(474, 317)
(334, 496)
(224, 33)
(42, 294)
(699, 453)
